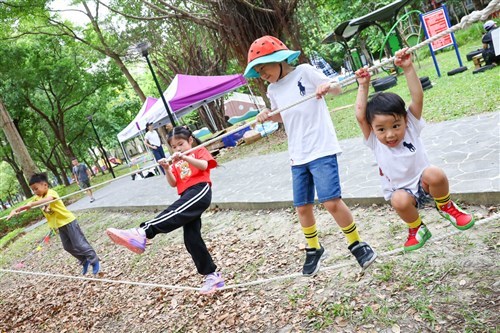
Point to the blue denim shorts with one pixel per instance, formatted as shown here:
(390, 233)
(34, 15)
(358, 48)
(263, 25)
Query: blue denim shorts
(422, 198)
(321, 174)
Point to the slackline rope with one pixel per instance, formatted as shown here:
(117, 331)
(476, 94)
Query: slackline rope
(478, 15)
(239, 285)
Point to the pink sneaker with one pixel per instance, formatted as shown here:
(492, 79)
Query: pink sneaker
(458, 217)
(130, 238)
(213, 281)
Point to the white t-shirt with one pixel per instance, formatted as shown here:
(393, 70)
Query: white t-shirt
(308, 125)
(153, 138)
(401, 167)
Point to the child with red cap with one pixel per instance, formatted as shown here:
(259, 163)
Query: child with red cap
(312, 143)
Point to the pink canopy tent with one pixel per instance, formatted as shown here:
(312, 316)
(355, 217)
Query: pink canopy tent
(189, 92)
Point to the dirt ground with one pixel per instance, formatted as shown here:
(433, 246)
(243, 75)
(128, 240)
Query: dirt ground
(449, 285)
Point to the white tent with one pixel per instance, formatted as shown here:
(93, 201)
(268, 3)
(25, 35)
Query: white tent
(139, 122)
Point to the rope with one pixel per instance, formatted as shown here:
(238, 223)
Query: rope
(238, 285)
(467, 20)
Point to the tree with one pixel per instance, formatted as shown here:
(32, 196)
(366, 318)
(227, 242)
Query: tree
(237, 23)
(8, 185)
(36, 17)
(56, 82)
(27, 166)
(7, 155)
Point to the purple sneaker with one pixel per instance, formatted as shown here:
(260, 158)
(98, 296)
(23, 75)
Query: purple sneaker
(213, 281)
(130, 238)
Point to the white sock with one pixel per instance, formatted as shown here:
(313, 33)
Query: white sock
(141, 232)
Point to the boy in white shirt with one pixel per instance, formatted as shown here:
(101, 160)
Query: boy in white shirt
(312, 144)
(393, 133)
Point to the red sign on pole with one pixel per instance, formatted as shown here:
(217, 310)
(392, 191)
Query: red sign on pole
(435, 22)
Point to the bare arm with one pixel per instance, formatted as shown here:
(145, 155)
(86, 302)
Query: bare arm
(363, 77)
(30, 205)
(416, 92)
(198, 164)
(170, 177)
(146, 142)
(328, 88)
(165, 164)
(263, 116)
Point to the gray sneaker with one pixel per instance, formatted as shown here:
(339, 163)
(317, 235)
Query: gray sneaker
(363, 253)
(313, 259)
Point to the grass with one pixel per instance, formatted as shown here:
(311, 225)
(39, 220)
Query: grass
(10, 237)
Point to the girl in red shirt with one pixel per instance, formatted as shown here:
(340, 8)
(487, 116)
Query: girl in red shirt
(190, 173)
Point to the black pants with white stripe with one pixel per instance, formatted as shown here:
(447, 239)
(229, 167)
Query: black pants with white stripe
(186, 213)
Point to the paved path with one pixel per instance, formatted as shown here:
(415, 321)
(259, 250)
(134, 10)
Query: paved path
(467, 149)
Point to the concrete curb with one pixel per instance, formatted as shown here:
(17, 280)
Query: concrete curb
(476, 198)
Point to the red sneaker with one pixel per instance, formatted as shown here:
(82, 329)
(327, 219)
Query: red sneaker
(458, 217)
(417, 237)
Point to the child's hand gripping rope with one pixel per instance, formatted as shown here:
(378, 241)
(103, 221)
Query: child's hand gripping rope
(17, 211)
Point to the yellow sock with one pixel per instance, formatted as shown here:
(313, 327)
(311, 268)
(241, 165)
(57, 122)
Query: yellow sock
(311, 237)
(351, 233)
(415, 224)
(443, 200)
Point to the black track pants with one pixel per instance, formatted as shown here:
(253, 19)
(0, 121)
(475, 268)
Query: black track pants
(186, 213)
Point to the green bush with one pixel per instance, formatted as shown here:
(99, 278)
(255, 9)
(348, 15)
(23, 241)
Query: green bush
(472, 34)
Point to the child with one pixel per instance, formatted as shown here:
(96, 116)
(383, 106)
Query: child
(393, 133)
(61, 219)
(191, 175)
(312, 144)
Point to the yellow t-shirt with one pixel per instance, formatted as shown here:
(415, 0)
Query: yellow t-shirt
(56, 213)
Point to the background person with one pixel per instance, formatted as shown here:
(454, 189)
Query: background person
(82, 176)
(488, 51)
(152, 140)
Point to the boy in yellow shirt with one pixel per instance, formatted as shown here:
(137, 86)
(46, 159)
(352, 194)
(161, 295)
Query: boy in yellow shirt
(61, 219)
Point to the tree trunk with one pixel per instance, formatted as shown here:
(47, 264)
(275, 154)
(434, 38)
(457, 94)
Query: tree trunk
(53, 168)
(464, 6)
(24, 184)
(20, 152)
(478, 5)
(129, 76)
(62, 167)
(110, 53)
(364, 50)
(96, 159)
(454, 13)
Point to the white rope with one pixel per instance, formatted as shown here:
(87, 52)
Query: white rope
(239, 285)
(475, 16)
(88, 188)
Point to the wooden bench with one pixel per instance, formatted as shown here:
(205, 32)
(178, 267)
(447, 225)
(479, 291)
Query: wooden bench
(478, 61)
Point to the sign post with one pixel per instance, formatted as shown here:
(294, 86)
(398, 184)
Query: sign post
(433, 23)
